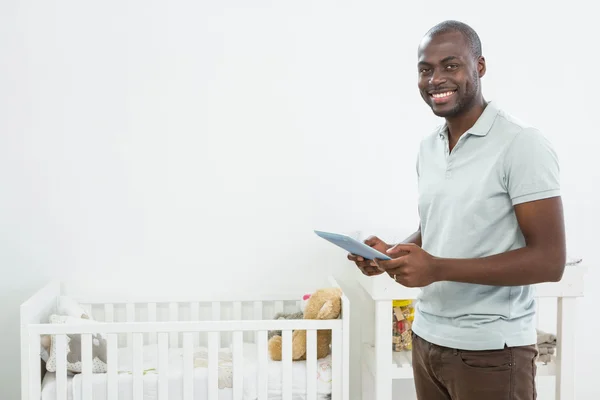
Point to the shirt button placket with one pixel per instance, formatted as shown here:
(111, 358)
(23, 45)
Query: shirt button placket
(448, 174)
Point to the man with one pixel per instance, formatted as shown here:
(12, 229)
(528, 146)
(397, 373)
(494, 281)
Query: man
(491, 225)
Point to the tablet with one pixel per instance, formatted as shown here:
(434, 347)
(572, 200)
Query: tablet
(352, 245)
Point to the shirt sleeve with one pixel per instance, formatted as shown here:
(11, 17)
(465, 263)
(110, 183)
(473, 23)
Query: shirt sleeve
(531, 168)
(417, 167)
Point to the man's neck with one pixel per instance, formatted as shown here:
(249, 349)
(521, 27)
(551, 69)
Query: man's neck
(458, 125)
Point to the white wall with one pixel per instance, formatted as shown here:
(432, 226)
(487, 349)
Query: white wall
(193, 146)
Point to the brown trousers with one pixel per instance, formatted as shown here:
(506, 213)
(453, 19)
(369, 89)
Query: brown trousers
(442, 373)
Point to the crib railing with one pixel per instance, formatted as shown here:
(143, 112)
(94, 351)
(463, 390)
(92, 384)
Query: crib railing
(153, 311)
(187, 329)
(167, 323)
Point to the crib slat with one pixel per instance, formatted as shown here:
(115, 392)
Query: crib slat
(163, 366)
(216, 311)
(35, 382)
(311, 365)
(214, 337)
(61, 366)
(286, 354)
(174, 316)
(109, 313)
(336, 363)
(257, 315)
(263, 354)
(112, 366)
(195, 316)
(237, 315)
(130, 308)
(278, 306)
(86, 366)
(237, 310)
(152, 318)
(87, 308)
(188, 366)
(213, 372)
(238, 365)
(258, 310)
(138, 366)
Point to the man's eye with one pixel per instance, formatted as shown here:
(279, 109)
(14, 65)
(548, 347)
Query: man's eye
(451, 66)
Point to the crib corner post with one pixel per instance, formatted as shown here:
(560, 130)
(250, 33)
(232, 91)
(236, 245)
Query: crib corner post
(25, 376)
(565, 345)
(383, 352)
(346, 348)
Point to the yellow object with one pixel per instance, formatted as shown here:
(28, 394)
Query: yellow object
(403, 314)
(401, 303)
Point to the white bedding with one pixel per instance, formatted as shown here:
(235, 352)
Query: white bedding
(150, 378)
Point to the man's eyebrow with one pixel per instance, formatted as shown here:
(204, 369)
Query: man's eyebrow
(449, 58)
(444, 60)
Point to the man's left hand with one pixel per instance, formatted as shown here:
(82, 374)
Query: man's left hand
(410, 265)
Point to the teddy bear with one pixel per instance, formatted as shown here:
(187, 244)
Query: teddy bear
(323, 304)
(294, 315)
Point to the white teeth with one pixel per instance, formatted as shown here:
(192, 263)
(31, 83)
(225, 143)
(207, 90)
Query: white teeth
(440, 95)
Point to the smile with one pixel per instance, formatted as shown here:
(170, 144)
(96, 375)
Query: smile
(443, 95)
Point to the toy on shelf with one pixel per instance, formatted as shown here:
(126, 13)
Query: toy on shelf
(403, 314)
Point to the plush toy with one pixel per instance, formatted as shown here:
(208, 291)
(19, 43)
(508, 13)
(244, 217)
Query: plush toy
(99, 348)
(65, 305)
(294, 315)
(323, 304)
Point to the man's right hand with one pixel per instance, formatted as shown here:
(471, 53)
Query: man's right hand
(368, 267)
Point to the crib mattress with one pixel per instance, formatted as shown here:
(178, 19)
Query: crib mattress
(150, 379)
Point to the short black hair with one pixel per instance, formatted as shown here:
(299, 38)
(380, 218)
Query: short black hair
(456, 26)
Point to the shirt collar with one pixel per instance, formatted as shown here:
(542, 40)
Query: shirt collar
(481, 127)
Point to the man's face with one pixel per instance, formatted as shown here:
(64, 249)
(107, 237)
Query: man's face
(448, 74)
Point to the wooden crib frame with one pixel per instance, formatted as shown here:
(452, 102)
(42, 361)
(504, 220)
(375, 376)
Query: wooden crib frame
(380, 365)
(35, 312)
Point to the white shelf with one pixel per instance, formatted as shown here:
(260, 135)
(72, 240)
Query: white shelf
(382, 365)
(401, 367)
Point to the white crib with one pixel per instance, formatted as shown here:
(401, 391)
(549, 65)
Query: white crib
(380, 365)
(173, 329)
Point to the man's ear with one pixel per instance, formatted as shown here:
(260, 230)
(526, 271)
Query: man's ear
(481, 67)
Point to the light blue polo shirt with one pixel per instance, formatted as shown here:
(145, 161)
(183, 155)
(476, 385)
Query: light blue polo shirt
(466, 201)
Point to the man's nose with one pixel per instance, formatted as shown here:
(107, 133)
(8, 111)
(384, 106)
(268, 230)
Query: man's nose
(437, 78)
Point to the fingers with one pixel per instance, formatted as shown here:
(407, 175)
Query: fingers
(395, 264)
(371, 270)
(360, 261)
(401, 249)
(396, 273)
(372, 241)
(367, 267)
(354, 257)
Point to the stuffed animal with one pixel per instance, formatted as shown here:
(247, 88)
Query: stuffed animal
(99, 348)
(295, 315)
(323, 304)
(65, 305)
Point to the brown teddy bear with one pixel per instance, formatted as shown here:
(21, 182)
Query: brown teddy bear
(323, 304)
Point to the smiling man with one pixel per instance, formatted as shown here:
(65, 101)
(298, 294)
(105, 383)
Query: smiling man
(491, 226)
